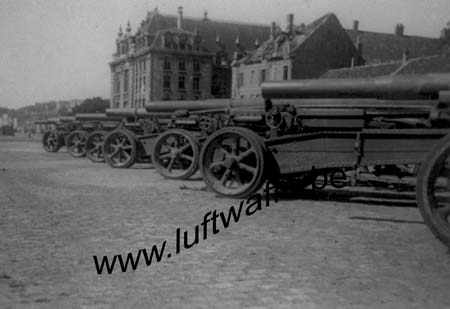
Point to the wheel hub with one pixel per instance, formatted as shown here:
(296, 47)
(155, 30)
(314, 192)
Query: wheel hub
(174, 153)
(231, 163)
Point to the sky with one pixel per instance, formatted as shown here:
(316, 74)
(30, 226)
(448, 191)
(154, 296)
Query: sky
(60, 49)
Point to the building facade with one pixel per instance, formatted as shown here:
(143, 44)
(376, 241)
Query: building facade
(296, 53)
(176, 58)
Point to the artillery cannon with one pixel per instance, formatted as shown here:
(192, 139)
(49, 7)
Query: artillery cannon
(358, 123)
(56, 132)
(169, 133)
(87, 138)
(135, 140)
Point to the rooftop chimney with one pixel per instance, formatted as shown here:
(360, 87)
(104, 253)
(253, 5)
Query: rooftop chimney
(399, 29)
(290, 24)
(180, 17)
(273, 27)
(355, 25)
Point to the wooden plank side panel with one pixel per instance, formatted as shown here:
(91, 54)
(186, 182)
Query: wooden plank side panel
(322, 152)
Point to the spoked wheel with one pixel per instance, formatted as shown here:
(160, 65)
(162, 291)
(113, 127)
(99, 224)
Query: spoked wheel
(433, 190)
(119, 149)
(232, 162)
(76, 143)
(51, 141)
(94, 146)
(176, 154)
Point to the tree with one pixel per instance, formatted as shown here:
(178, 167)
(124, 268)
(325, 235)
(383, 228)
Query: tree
(92, 105)
(63, 111)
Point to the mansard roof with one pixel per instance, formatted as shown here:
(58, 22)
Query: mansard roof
(284, 44)
(420, 65)
(209, 30)
(383, 47)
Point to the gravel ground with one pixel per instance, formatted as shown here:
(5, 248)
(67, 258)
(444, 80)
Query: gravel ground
(57, 212)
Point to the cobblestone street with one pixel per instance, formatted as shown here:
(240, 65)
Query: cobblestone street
(56, 212)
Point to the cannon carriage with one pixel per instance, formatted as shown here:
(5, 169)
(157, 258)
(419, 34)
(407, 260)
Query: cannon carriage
(322, 127)
(87, 138)
(56, 131)
(168, 135)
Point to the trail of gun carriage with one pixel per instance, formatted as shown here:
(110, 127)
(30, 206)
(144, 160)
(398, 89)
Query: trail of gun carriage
(301, 133)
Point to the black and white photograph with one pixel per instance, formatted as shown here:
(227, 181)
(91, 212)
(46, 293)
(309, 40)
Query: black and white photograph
(225, 154)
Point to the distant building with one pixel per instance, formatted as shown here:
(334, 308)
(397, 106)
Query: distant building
(420, 65)
(376, 48)
(177, 58)
(396, 54)
(296, 53)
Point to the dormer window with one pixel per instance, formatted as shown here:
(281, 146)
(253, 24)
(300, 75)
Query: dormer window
(182, 42)
(167, 41)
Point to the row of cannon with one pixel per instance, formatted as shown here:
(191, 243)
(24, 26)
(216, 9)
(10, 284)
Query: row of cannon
(299, 132)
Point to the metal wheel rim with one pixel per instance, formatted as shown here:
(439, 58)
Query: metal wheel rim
(439, 204)
(94, 147)
(51, 141)
(119, 149)
(176, 155)
(231, 170)
(76, 144)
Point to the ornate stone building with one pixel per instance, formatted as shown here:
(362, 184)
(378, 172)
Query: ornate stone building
(303, 51)
(177, 58)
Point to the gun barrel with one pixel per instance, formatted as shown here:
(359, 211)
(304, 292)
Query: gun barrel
(134, 113)
(198, 105)
(402, 87)
(95, 117)
(66, 119)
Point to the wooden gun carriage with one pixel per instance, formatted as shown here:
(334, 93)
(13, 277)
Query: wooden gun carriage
(329, 125)
(300, 130)
(56, 131)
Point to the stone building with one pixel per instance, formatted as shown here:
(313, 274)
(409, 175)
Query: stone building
(296, 53)
(396, 54)
(177, 58)
(377, 48)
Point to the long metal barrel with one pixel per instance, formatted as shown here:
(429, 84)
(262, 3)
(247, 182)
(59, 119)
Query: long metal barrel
(66, 119)
(199, 105)
(406, 87)
(96, 117)
(134, 113)
(357, 103)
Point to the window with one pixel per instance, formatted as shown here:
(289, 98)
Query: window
(167, 64)
(241, 80)
(285, 72)
(166, 81)
(167, 41)
(196, 83)
(182, 65)
(252, 77)
(182, 45)
(116, 83)
(262, 77)
(181, 82)
(125, 81)
(196, 66)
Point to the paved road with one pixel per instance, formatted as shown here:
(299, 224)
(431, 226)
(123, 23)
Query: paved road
(56, 212)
